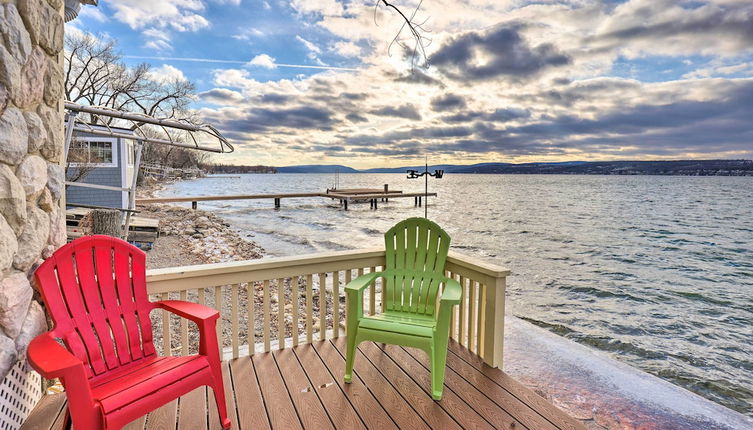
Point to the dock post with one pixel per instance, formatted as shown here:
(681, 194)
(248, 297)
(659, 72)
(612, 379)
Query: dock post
(345, 203)
(386, 192)
(419, 201)
(194, 205)
(375, 203)
(277, 203)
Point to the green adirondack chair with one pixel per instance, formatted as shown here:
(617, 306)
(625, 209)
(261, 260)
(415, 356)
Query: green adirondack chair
(416, 250)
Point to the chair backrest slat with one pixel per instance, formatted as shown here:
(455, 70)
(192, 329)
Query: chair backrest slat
(95, 291)
(84, 258)
(416, 251)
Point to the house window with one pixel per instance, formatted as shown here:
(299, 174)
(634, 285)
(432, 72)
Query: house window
(97, 152)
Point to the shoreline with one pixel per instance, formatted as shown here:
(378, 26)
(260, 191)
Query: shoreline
(539, 359)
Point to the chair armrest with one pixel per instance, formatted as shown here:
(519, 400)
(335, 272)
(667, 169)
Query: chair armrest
(190, 311)
(452, 292)
(360, 283)
(51, 360)
(450, 297)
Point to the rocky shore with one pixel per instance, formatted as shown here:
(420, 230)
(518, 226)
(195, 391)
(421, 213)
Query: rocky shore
(189, 237)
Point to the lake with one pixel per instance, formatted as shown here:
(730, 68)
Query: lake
(655, 270)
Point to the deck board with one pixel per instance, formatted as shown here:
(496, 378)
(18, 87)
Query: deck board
(302, 387)
(305, 397)
(368, 408)
(252, 413)
(335, 403)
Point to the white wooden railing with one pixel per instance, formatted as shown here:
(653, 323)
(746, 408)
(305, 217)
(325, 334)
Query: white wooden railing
(257, 317)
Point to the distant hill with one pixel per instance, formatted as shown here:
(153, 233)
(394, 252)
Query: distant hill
(679, 167)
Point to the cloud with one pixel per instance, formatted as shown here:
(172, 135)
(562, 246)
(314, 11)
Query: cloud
(408, 111)
(507, 81)
(447, 102)
(499, 52)
(180, 15)
(166, 74)
(346, 49)
(323, 7)
(259, 120)
(263, 60)
(310, 46)
(650, 27)
(221, 96)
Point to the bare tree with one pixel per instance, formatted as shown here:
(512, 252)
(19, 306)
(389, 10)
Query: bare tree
(415, 48)
(96, 75)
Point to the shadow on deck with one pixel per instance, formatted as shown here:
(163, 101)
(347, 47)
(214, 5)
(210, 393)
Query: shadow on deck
(303, 387)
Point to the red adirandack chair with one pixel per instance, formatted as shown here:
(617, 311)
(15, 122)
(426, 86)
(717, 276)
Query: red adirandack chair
(95, 291)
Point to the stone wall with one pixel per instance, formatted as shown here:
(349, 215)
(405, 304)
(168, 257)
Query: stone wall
(32, 225)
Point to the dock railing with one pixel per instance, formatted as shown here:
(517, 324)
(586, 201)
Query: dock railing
(257, 315)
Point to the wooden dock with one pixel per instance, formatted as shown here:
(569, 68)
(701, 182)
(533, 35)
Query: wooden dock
(345, 196)
(141, 230)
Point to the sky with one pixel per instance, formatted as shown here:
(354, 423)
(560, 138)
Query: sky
(319, 81)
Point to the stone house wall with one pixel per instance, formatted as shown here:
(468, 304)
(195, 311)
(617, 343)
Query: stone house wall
(32, 188)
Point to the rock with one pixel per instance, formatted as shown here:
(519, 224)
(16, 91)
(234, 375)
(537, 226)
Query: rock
(14, 136)
(14, 33)
(44, 23)
(56, 4)
(15, 296)
(10, 72)
(37, 132)
(12, 200)
(8, 245)
(45, 201)
(32, 172)
(8, 354)
(52, 147)
(34, 238)
(34, 325)
(53, 83)
(4, 97)
(55, 180)
(58, 233)
(33, 73)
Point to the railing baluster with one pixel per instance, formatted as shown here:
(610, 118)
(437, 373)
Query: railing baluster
(309, 308)
(266, 315)
(480, 332)
(461, 318)
(322, 306)
(166, 344)
(251, 321)
(218, 306)
(184, 327)
(348, 278)
(336, 303)
(294, 298)
(472, 314)
(203, 300)
(234, 318)
(280, 313)
(453, 314)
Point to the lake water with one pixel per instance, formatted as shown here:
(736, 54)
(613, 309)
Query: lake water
(655, 270)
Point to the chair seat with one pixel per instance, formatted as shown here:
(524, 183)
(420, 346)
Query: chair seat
(128, 385)
(400, 322)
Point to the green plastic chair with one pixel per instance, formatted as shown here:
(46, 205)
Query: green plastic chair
(416, 312)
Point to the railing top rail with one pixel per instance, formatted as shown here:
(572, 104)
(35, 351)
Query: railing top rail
(291, 262)
(477, 265)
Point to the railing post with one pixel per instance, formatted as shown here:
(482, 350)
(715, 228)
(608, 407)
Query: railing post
(494, 321)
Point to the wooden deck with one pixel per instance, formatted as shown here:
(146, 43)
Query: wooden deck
(302, 387)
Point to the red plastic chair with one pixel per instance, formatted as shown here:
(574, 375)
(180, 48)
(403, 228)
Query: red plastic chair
(95, 291)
